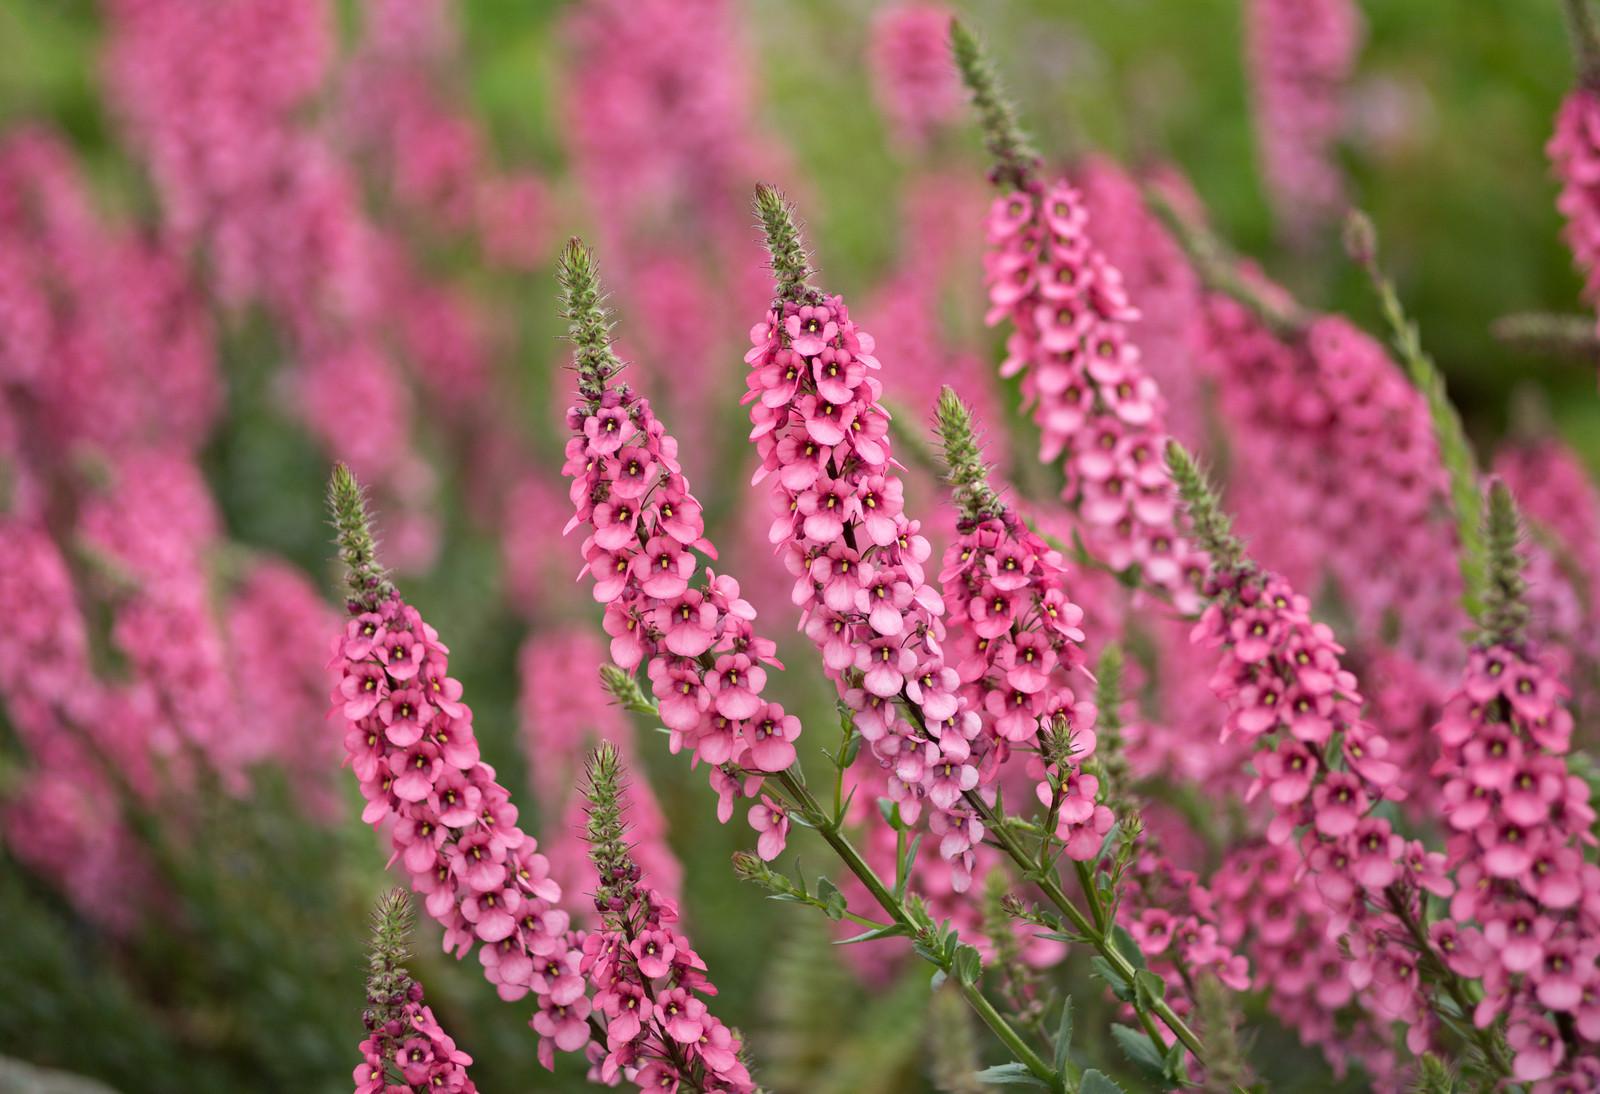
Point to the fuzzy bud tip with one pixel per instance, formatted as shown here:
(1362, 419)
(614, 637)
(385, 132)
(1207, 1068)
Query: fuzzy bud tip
(588, 322)
(1212, 528)
(791, 265)
(366, 579)
(1013, 153)
(1505, 608)
(965, 470)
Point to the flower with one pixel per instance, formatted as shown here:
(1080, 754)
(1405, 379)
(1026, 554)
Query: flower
(402, 1032)
(857, 560)
(455, 830)
(912, 76)
(1083, 379)
(1301, 54)
(646, 978)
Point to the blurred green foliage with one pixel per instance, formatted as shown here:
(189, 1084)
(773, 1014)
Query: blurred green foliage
(255, 980)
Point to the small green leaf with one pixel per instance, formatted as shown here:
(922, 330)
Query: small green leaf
(902, 870)
(1147, 987)
(891, 930)
(1010, 1075)
(1128, 947)
(833, 904)
(890, 811)
(1064, 1035)
(968, 965)
(1119, 987)
(1096, 1082)
(1141, 1051)
(1174, 1065)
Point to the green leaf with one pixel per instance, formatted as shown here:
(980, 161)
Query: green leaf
(891, 930)
(1119, 987)
(1063, 1035)
(902, 869)
(1010, 1075)
(1096, 1082)
(1141, 1051)
(890, 811)
(1128, 947)
(1147, 987)
(833, 904)
(1174, 1066)
(968, 964)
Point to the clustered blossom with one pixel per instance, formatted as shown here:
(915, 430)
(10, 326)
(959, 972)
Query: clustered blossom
(648, 982)
(857, 561)
(154, 527)
(61, 819)
(219, 102)
(1175, 921)
(1264, 907)
(1574, 152)
(1097, 408)
(1014, 646)
(1301, 53)
(406, 1051)
(1338, 473)
(565, 714)
(1525, 919)
(916, 86)
(100, 329)
(415, 1048)
(659, 100)
(1322, 770)
(434, 155)
(695, 639)
(1157, 275)
(453, 828)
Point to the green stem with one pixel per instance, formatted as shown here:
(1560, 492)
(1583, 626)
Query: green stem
(1219, 271)
(1100, 939)
(897, 911)
(1455, 451)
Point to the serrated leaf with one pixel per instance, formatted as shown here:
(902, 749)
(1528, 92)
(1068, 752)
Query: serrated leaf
(1119, 987)
(833, 905)
(1009, 1075)
(1140, 1051)
(1063, 1035)
(1096, 1082)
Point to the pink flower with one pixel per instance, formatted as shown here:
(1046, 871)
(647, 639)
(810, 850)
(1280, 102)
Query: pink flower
(772, 821)
(1537, 1047)
(565, 1024)
(682, 1015)
(771, 734)
(735, 685)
